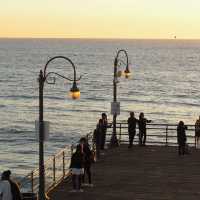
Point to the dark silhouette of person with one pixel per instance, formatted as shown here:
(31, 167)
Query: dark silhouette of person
(181, 137)
(197, 131)
(103, 123)
(16, 195)
(142, 128)
(132, 121)
(88, 159)
(97, 139)
(76, 166)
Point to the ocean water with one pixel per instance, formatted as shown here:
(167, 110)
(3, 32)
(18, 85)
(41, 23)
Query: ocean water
(164, 85)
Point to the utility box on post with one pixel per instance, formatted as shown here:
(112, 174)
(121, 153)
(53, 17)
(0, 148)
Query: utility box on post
(115, 108)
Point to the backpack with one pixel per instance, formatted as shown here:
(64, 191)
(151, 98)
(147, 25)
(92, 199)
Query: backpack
(16, 195)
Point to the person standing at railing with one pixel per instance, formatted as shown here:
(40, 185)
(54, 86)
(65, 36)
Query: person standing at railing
(77, 169)
(132, 121)
(103, 123)
(181, 137)
(142, 122)
(197, 132)
(88, 159)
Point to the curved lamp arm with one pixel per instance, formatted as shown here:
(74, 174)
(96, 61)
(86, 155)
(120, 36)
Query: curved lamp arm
(75, 93)
(117, 63)
(65, 58)
(125, 53)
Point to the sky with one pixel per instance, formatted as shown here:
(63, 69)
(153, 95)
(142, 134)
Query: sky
(157, 19)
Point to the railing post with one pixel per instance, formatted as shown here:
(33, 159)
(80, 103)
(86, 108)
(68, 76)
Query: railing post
(166, 137)
(63, 164)
(72, 146)
(54, 168)
(32, 182)
(120, 133)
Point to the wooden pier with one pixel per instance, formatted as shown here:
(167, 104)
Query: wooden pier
(140, 173)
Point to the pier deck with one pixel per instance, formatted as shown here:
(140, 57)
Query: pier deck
(140, 173)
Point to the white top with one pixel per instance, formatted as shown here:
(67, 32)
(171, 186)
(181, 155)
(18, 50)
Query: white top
(5, 190)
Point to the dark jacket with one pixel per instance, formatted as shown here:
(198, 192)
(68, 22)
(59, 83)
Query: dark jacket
(87, 155)
(142, 122)
(103, 126)
(181, 135)
(77, 161)
(97, 136)
(132, 121)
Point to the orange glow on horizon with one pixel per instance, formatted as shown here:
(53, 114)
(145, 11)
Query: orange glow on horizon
(100, 19)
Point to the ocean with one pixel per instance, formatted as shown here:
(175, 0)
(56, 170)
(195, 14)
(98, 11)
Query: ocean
(164, 85)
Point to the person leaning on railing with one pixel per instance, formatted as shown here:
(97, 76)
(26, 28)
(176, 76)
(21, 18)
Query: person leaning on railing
(142, 122)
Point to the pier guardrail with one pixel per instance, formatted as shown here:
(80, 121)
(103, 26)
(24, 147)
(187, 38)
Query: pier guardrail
(157, 134)
(56, 169)
(57, 166)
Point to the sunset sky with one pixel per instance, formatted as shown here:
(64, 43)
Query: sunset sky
(100, 18)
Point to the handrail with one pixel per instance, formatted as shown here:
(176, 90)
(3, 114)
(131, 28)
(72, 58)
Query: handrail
(56, 169)
(157, 133)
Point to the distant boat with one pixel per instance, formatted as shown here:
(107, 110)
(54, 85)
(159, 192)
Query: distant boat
(175, 37)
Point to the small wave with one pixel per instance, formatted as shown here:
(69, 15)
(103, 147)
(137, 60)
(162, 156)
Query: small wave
(16, 97)
(9, 130)
(2, 106)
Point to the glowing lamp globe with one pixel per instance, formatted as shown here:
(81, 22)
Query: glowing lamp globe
(127, 73)
(75, 92)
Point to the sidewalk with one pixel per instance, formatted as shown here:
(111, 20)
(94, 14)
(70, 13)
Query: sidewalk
(140, 173)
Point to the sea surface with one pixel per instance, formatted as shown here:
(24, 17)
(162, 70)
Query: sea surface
(165, 85)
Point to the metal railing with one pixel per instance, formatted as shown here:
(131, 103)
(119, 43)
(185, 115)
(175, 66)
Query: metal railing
(157, 134)
(56, 169)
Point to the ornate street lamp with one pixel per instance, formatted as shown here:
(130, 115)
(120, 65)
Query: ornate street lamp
(74, 92)
(115, 105)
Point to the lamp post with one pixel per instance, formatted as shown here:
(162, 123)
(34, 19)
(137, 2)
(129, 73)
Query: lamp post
(115, 104)
(74, 92)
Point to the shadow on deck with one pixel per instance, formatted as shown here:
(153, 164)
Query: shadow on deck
(140, 173)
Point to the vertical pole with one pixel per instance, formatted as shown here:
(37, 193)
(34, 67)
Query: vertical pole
(114, 141)
(41, 139)
(120, 133)
(54, 169)
(166, 137)
(32, 182)
(63, 164)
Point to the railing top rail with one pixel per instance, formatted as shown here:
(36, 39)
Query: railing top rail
(154, 124)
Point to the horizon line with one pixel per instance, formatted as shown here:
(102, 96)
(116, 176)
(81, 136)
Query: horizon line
(99, 38)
